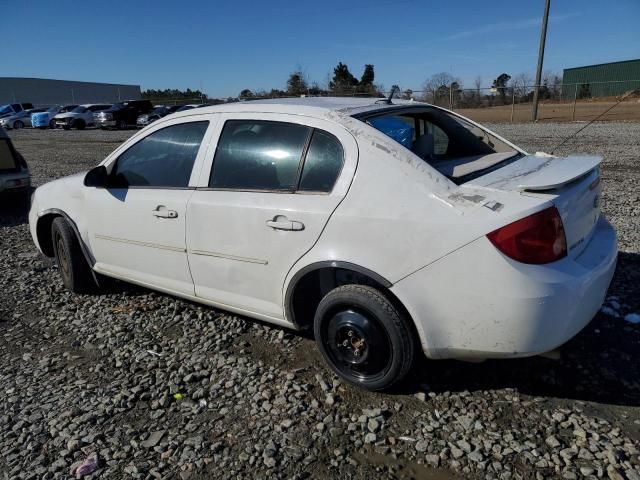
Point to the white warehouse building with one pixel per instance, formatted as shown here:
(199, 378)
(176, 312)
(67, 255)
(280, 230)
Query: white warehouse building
(43, 92)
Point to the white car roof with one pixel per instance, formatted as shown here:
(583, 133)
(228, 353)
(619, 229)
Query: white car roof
(311, 106)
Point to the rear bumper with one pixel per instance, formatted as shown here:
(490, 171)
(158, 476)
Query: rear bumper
(476, 303)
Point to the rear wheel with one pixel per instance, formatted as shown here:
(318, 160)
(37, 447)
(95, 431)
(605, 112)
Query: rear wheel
(363, 337)
(74, 269)
(18, 124)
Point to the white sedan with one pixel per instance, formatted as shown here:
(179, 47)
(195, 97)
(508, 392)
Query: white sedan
(387, 228)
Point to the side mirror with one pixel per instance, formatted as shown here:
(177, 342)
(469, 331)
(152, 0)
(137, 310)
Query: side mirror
(96, 177)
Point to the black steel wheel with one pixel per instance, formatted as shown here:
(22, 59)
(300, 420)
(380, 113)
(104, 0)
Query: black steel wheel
(363, 337)
(74, 269)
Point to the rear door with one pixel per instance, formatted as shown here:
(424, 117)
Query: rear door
(137, 225)
(266, 193)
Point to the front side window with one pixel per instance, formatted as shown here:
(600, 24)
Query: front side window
(258, 155)
(163, 159)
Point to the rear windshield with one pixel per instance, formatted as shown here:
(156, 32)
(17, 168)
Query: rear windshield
(7, 161)
(456, 148)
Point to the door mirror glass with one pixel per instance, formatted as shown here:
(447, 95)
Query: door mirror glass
(96, 177)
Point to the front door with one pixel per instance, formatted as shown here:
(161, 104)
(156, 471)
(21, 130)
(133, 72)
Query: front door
(272, 187)
(137, 225)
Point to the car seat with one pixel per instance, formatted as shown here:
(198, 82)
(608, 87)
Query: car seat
(424, 146)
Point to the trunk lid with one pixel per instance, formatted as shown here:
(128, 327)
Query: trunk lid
(571, 183)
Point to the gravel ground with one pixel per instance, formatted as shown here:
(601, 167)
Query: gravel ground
(162, 388)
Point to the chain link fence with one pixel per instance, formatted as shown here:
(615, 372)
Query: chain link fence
(558, 102)
(512, 103)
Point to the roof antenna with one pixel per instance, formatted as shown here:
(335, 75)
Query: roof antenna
(629, 93)
(394, 89)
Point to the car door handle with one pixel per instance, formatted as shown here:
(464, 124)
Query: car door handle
(283, 223)
(162, 212)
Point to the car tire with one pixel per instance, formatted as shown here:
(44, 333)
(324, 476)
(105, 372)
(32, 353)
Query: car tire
(364, 338)
(79, 124)
(52, 124)
(18, 124)
(121, 125)
(66, 127)
(73, 266)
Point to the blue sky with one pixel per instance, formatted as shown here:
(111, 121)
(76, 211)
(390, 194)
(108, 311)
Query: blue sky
(223, 46)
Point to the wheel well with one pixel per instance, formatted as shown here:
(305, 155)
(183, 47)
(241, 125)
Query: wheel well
(43, 231)
(305, 293)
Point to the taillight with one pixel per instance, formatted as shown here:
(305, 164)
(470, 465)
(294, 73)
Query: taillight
(536, 239)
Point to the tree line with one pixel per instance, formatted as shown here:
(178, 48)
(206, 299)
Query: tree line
(440, 88)
(343, 82)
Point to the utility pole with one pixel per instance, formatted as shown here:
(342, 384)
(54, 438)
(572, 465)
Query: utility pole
(543, 38)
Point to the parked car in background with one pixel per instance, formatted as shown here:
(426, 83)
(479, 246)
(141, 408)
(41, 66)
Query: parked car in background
(15, 177)
(449, 240)
(122, 115)
(45, 119)
(192, 105)
(158, 112)
(80, 117)
(13, 108)
(19, 120)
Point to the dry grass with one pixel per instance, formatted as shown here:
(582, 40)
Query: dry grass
(556, 112)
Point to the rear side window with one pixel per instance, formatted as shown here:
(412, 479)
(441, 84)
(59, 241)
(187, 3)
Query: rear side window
(163, 159)
(258, 155)
(322, 164)
(7, 161)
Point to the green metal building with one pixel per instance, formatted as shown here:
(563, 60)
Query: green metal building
(603, 80)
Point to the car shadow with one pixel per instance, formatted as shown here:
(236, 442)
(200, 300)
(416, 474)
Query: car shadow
(14, 209)
(598, 365)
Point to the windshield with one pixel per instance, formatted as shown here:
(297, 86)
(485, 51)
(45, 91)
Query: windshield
(5, 109)
(117, 106)
(53, 109)
(158, 111)
(79, 109)
(456, 148)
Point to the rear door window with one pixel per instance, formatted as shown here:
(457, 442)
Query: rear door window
(164, 158)
(259, 155)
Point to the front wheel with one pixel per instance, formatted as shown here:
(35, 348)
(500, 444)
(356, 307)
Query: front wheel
(18, 124)
(74, 268)
(363, 337)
